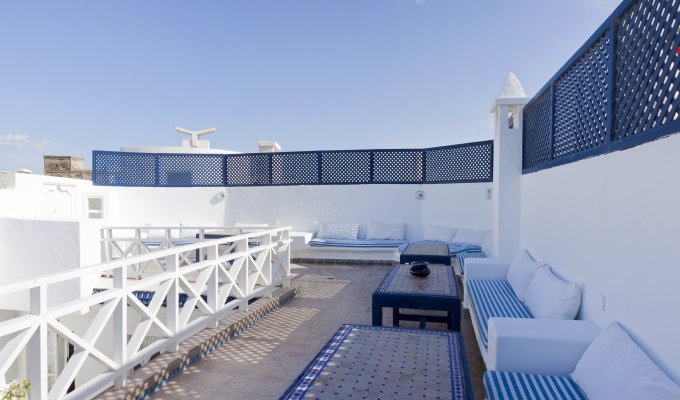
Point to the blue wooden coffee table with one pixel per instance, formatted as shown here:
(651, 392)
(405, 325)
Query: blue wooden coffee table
(438, 291)
(386, 363)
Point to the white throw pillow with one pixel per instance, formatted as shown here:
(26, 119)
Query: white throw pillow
(470, 236)
(487, 245)
(329, 230)
(521, 271)
(615, 367)
(549, 297)
(385, 231)
(439, 233)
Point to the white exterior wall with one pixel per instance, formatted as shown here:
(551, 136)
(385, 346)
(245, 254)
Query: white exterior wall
(31, 248)
(304, 207)
(43, 197)
(137, 206)
(613, 223)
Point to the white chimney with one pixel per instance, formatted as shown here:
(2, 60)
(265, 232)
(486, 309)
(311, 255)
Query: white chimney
(268, 146)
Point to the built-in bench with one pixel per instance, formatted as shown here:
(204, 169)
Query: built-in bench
(525, 292)
(610, 365)
(341, 251)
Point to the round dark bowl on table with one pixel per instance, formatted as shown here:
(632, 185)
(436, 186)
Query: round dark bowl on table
(419, 269)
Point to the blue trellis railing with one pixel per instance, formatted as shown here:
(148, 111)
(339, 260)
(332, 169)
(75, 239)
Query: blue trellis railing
(462, 163)
(619, 90)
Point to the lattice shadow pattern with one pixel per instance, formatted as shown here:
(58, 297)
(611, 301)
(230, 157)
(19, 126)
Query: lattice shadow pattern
(647, 73)
(468, 163)
(190, 170)
(581, 103)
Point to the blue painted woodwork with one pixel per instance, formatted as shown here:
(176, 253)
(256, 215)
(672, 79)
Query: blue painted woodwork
(462, 163)
(619, 90)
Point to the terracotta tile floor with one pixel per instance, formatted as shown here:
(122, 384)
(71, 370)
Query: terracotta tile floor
(263, 361)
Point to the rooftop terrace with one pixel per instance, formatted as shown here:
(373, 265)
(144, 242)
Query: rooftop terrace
(164, 256)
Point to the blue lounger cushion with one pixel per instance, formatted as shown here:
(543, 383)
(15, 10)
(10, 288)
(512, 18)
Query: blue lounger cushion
(493, 299)
(357, 243)
(466, 255)
(454, 248)
(500, 385)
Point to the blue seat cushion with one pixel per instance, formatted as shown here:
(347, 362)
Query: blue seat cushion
(514, 385)
(493, 299)
(358, 243)
(465, 255)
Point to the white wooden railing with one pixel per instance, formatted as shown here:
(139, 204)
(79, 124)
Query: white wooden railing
(227, 273)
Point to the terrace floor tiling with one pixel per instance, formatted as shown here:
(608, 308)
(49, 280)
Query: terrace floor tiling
(262, 362)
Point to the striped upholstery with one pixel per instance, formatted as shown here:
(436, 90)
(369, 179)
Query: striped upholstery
(493, 299)
(465, 255)
(357, 243)
(517, 386)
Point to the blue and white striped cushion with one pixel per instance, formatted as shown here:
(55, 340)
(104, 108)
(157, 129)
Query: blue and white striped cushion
(518, 386)
(358, 243)
(493, 299)
(465, 255)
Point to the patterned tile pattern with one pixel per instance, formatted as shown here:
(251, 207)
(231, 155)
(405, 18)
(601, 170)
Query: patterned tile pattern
(427, 249)
(440, 282)
(361, 362)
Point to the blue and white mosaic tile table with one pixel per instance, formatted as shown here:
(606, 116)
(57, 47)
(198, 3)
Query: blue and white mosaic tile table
(438, 292)
(368, 362)
(435, 253)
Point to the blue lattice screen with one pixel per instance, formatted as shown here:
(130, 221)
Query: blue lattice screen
(467, 163)
(619, 90)
(470, 162)
(647, 73)
(190, 170)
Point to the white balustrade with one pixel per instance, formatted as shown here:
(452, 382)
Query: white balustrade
(196, 282)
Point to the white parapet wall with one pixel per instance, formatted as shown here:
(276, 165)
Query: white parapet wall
(32, 248)
(613, 223)
(304, 207)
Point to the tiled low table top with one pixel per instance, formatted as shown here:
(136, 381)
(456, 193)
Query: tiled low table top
(427, 249)
(367, 362)
(440, 282)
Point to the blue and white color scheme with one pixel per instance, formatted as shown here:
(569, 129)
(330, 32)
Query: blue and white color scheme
(518, 386)
(493, 299)
(359, 359)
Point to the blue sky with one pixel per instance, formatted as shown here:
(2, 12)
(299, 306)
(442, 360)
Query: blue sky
(312, 74)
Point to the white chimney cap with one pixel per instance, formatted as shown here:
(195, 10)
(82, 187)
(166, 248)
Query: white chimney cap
(268, 146)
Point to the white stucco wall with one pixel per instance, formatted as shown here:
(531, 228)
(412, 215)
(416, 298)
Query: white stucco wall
(32, 248)
(613, 223)
(42, 197)
(304, 207)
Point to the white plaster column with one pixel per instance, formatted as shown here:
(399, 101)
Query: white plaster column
(507, 167)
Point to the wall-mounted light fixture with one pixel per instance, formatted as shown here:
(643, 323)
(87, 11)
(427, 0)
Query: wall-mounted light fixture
(420, 194)
(218, 197)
